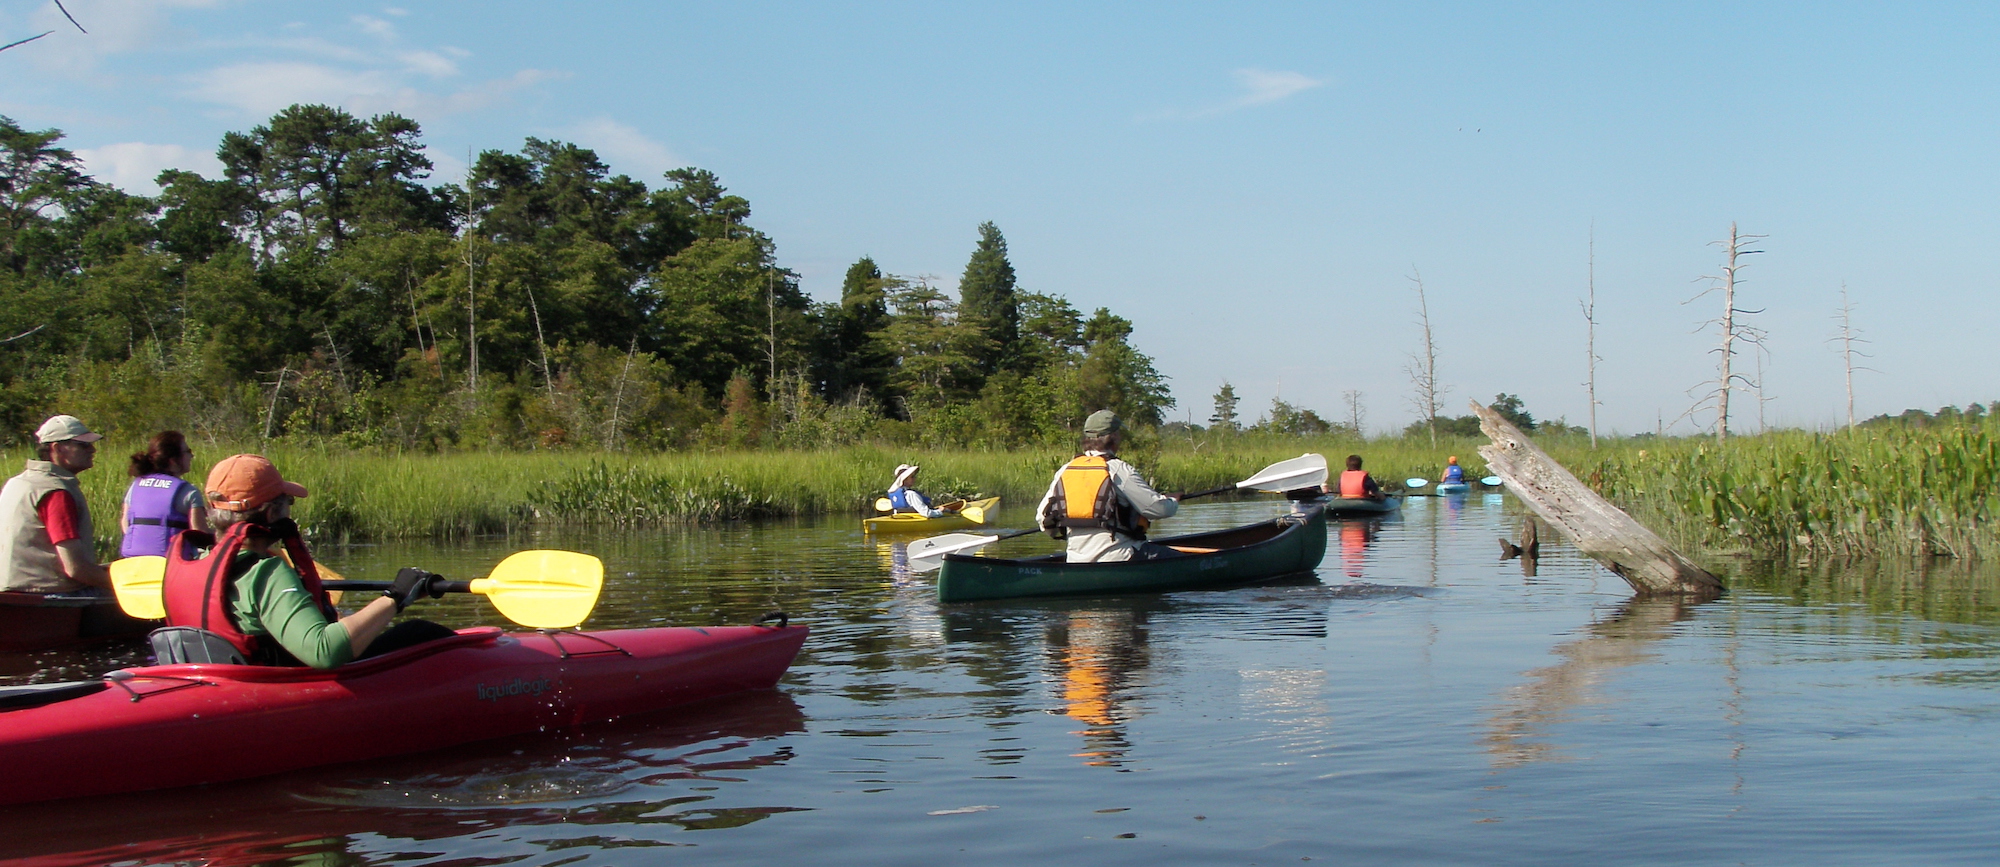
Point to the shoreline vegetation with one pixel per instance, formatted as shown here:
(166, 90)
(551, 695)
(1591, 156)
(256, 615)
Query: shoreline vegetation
(1885, 490)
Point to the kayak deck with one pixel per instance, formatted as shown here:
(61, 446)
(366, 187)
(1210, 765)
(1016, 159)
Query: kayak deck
(1346, 506)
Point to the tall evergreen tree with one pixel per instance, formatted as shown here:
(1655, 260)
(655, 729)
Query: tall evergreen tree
(987, 300)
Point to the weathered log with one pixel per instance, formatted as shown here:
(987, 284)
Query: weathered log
(1597, 528)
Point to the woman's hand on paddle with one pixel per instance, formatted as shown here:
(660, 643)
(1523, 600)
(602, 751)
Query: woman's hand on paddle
(412, 583)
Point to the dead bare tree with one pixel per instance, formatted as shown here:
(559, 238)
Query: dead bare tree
(1733, 330)
(1423, 368)
(65, 12)
(1355, 411)
(1847, 337)
(1590, 333)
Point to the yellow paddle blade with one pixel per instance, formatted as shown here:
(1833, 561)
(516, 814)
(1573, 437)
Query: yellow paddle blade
(882, 504)
(544, 589)
(975, 514)
(137, 582)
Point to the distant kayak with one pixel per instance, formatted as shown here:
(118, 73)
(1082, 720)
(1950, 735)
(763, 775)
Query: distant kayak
(1347, 506)
(974, 514)
(1453, 487)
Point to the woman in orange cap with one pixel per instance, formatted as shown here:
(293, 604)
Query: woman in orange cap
(272, 611)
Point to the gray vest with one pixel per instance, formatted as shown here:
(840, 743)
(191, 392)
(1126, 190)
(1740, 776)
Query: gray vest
(28, 556)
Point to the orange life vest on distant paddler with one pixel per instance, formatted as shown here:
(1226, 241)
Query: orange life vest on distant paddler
(1354, 483)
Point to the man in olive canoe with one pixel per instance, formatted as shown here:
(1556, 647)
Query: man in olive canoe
(46, 545)
(1100, 504)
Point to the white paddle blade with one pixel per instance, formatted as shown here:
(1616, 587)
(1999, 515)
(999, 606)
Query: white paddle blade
(926, 555)
(1305, 471)
(1415, 483)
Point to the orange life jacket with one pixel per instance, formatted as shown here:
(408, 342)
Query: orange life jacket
(1085, 497)
(1354, 483)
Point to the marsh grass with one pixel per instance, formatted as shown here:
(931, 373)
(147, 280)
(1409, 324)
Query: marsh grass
(1875, 492)
(360, 494)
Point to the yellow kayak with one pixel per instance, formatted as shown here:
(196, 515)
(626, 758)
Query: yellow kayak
(974, 514)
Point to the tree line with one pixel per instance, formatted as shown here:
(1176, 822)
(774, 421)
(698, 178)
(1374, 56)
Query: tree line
(326, 288)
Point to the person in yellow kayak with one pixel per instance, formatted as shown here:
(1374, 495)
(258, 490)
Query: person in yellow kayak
(269, 611)
(1100, 505)
(908, 500)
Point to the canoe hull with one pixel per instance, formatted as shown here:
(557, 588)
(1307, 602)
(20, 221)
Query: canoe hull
(910, 523)
(1290, 545)
(193, 724)
(1342, 507)
(31, 621)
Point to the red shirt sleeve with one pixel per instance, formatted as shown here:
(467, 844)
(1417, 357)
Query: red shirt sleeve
(58, 513)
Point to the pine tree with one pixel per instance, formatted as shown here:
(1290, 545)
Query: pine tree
(986, 297)
(1225, 409)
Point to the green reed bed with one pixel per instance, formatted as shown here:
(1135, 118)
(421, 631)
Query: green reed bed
(1890, 491)
(366, 494)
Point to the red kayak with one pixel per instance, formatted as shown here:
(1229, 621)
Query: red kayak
(33, 621)
(178, 725)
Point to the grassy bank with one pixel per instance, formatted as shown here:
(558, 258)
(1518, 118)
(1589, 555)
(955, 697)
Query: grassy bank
(1890, 491)
(361, 494)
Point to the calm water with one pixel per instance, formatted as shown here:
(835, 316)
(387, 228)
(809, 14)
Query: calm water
(1421, 702)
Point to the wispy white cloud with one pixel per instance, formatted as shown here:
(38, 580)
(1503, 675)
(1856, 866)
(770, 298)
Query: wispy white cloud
(624, 147)
(1256, 87)
(375, 27)
(132, 166)
(116, 27)
(262, 89)
(1261, 86)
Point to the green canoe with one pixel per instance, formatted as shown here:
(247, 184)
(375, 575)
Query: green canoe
(1287, 545)
(1341, 507)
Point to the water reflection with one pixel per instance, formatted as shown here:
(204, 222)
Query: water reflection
(1517, 732)
(672, 768)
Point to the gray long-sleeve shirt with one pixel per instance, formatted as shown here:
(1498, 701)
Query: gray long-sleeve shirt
(1096, 544)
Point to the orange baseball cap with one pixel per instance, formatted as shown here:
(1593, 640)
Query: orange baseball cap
(240, 483)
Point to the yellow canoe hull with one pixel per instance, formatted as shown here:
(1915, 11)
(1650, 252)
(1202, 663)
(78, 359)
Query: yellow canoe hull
(910, 523)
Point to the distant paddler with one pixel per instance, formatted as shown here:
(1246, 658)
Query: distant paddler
(908, 500)
(1100, 504)
(1356, 483)
(1453, 473)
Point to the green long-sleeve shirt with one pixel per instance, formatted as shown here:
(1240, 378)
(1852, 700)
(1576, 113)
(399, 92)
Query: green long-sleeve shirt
(270, 600)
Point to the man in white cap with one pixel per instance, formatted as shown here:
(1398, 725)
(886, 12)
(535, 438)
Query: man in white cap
(46, 542)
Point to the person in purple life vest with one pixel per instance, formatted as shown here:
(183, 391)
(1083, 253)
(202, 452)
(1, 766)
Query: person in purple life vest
(160, 503)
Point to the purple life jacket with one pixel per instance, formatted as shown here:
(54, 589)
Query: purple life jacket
(150, 504)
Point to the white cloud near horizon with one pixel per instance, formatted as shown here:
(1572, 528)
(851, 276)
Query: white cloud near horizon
(131, 166)
(1257, 86)
(263, 89)
(625, 148)
(372, 70)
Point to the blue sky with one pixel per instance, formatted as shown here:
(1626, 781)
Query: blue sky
(1253, 186)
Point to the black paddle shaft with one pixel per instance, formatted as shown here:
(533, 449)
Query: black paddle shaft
(446, 586)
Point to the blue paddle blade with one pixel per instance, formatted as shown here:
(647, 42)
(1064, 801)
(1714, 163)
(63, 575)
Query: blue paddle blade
(1415, 483)
(1491, 481)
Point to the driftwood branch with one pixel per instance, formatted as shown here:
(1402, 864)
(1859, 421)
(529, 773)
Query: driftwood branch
(1592, 523)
